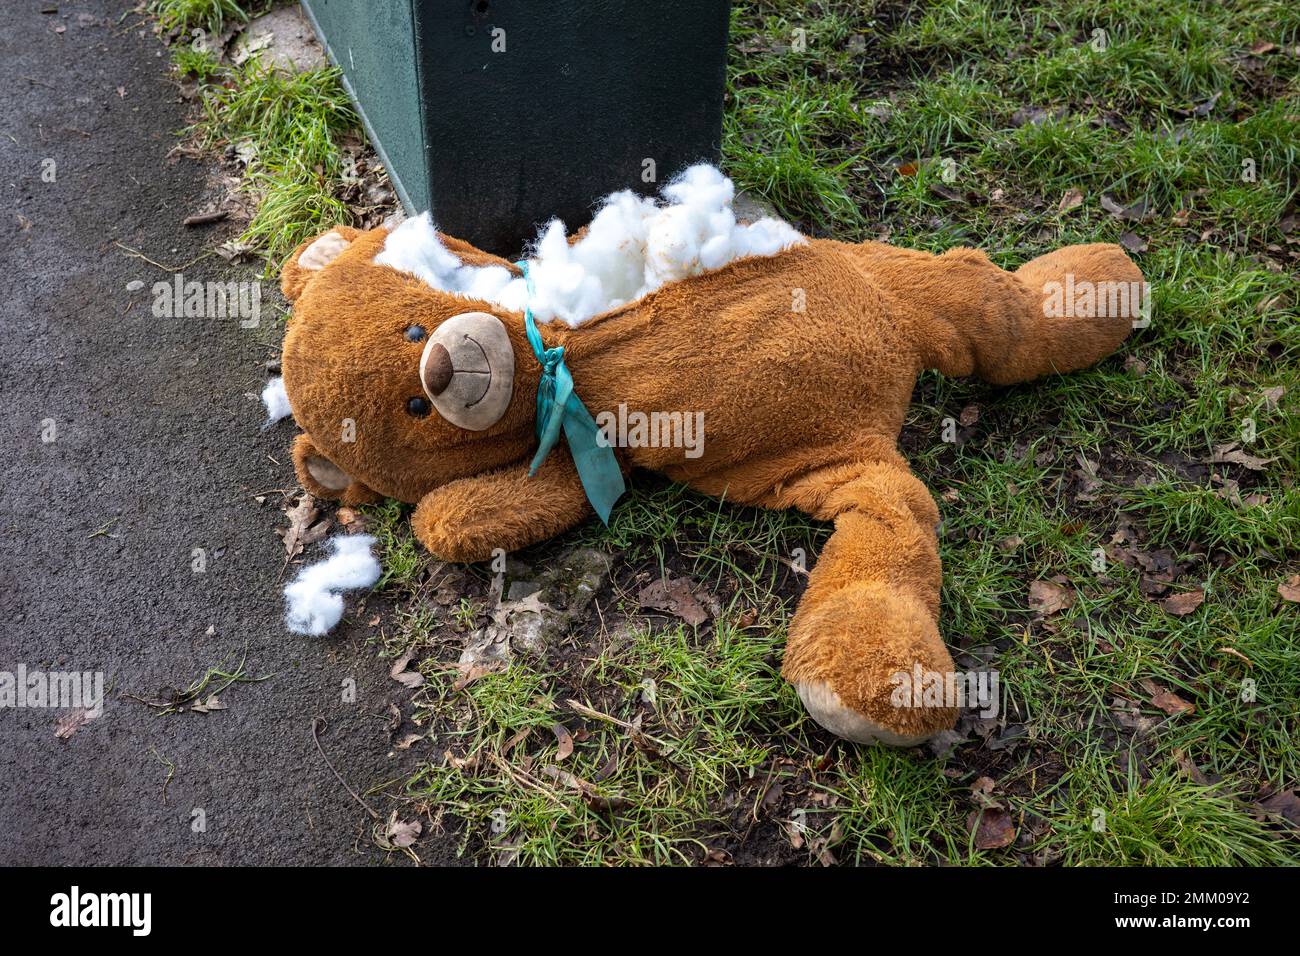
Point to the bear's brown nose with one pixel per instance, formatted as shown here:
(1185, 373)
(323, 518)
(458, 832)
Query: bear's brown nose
(435, 370)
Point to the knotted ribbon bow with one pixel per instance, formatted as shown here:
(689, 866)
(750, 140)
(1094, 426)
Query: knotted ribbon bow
(558, 406)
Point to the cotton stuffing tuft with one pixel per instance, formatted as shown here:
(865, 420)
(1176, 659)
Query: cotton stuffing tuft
(632, 247)
(313, 602)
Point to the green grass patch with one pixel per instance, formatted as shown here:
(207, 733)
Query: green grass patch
(936, 124)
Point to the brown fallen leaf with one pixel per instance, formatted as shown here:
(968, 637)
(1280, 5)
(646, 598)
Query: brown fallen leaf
(1289, 590)
(1231, 453)
(969, 416)
(1284, 804)
(1133, 213)
(406, 742)
(212, 703)
(403, 833)
(1046, 598)
(469, 673)
(675, 596)
(564, 739)
(406, 678)
(1133, 242)
(1183, 603)
(601, 804)
(593, 800)
(71, 722)
(1172, 704)
(304, 529)
(1071, 200)
(993, 829)
(460, 763)
(907, 169)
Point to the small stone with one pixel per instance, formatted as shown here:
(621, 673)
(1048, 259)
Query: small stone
(135, 285)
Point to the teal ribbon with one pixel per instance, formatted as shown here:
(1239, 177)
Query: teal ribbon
(558, 406)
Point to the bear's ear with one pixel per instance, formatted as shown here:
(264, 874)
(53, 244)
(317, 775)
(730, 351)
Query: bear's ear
(311, 257)
(324, 479)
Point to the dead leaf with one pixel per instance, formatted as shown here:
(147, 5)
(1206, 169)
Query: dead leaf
(600, 804)
(1205, 109)
(1262, 47)
(208, 706)
(947, 192)
(1289, 590)
(71, 722)
(564, 739)
(1134, 213)
(406, 742)
(1047, 598)
(992, 828)
(907, 169)
(1172, 704)
(403, 833)
(399, 673)
(1233, 454)
(675, 596)
(303, 528)
(1284, 804)
(1071, 200)
(1183, 603)
(460, 763)
(969, 416)
(1273, 396)
(1133, 242)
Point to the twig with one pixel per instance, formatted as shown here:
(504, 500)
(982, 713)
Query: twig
(103, 532)
(586, 711)
(316, 723)
(205, 218)
(136, 253)
(171, 771)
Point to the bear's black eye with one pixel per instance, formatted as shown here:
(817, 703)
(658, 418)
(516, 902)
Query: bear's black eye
(418, 406)
(414, 333)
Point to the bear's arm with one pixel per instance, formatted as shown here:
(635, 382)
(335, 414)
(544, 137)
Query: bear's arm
(468, 519)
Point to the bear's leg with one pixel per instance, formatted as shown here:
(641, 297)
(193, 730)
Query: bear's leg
(866, 628)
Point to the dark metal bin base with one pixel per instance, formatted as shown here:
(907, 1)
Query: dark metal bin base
(500, 114)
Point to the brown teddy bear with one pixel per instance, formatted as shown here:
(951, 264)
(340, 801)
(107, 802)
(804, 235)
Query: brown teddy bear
(408, 365)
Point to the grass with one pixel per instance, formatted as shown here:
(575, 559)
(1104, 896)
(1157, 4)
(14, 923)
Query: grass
(209, 15)
(686, 745)
(286, 128)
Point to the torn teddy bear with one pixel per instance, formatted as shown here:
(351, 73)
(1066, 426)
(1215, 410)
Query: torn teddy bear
(408, 364)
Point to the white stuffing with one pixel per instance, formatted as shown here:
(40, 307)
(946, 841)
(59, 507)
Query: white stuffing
(312, 602)
(633, 246)
(276, 400)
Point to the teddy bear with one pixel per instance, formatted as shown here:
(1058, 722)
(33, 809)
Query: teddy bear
(424, 369)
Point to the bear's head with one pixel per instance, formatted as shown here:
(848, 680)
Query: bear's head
(399, 387)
